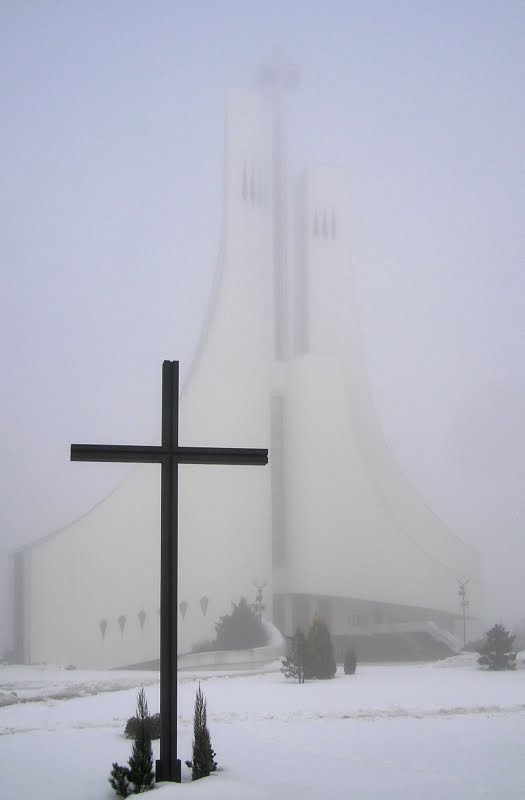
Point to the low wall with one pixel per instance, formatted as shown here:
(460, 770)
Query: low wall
(237, 659)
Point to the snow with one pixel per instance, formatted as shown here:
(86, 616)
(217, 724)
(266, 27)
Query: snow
(411, 731)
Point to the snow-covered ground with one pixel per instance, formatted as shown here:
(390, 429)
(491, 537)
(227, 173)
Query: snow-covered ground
(416, 732)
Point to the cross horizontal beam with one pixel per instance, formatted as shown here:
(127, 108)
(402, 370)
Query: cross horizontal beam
(153, 454)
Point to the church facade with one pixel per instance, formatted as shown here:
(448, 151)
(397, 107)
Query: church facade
(330, 526)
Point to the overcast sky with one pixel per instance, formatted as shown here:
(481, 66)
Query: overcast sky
(111, 143)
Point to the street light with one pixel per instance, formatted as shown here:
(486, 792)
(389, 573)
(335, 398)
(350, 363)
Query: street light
(464, 603)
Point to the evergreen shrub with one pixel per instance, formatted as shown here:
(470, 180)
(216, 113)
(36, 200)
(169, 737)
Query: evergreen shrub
(496, 652)
(293, 665)
(119, 780)
(152, 722)
(310, 656)
(138, 776)
(320, 662)
(203, 758)
(350, 662)
(240, 630)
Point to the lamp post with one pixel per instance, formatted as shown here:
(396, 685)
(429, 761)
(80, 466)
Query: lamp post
(464, 603)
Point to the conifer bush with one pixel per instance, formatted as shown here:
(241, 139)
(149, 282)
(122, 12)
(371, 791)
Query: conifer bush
(496, 652)
(320, 662)
(119, 780)
(138, 776)
(310, 656)
(350, 662)
(240, 630)
(293, 665)
(203, 757)
(152, 723)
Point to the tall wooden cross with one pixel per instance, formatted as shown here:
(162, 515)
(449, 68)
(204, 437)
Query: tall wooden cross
(169, 455)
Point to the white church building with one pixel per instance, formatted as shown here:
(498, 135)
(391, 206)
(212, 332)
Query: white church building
(331, 525)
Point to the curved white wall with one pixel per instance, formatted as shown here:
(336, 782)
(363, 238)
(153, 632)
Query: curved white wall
(104, 565)
(355, 527)
(107, 563)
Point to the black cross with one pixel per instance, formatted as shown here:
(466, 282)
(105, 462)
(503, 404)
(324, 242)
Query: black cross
(170, 455)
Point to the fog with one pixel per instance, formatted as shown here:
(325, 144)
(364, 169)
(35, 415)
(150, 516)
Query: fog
(112, 143)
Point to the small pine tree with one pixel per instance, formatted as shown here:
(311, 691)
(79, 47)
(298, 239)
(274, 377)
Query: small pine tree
(138, 776)
(350, 662)
(203, 761)
(293, 665)
(321, 658)
(141, 760)
(496, 652)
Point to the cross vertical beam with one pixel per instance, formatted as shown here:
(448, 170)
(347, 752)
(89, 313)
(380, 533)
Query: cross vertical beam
(168, 767)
